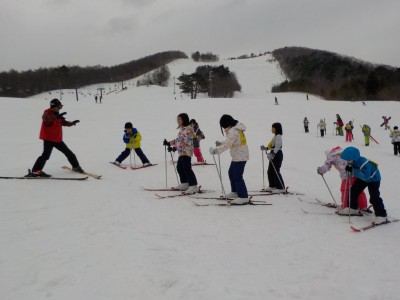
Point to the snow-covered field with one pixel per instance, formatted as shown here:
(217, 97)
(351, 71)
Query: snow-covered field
(108, 239)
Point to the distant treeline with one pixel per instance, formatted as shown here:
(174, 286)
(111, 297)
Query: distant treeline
(204, 57)
(28, 83)
(216, 81)
(334, 76)
(158, 77)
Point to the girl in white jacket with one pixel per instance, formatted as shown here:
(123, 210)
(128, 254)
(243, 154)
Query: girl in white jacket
(237, 144)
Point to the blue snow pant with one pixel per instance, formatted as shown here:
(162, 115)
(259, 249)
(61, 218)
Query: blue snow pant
(127, 152)
(238, 185)
(184, 168)
(374, 194)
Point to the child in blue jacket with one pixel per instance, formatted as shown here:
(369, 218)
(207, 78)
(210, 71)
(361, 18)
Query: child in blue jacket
(132, 138)
(368, 175)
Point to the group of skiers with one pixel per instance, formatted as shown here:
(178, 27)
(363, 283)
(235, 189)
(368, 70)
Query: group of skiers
(356, 172)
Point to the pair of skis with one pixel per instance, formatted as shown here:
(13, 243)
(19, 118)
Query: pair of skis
(87, 175)
(132, 168)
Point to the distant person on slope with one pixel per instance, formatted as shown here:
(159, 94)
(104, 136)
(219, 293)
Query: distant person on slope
(132, 139)
(198, 136)
(366, 130)
(333, 160)
(395, 135)
(386, 122)
(276, 101)
(237, 144)
(339, 125)
(95, 98)
(322, 127)
(51, 134)
(367, 175)
(306, 123)
(184, 145)
(349, 132)
(275, 157)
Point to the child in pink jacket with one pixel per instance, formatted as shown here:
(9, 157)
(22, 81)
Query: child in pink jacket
(333, 159)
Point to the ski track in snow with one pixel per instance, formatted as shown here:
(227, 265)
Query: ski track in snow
(108, 239)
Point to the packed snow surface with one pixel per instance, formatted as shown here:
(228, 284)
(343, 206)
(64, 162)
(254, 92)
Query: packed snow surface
(108, 239)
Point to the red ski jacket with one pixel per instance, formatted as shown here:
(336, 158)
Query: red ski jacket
(51, 129)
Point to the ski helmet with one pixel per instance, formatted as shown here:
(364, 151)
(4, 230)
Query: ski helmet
(55, 103)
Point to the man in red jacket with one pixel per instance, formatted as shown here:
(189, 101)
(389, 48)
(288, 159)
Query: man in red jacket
(51, 134)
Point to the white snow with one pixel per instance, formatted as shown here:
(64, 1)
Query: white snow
(108, 239)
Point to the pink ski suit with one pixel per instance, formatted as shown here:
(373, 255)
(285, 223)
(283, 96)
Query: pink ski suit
(340, 165)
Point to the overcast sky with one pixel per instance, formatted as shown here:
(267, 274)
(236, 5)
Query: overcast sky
(43, 33)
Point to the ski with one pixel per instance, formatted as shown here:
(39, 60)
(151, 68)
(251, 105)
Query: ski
(319, 202)
(173, 190)
(182, 194)
(84, 173)
(119, 166)
(202, 164)
(51, 178)
(373, 225)
(229, 204)
(143, 167)
(221, 198)
(372, 138)
(316, 213)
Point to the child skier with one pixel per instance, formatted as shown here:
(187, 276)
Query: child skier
(306, 123)
(236, 142)
(333, 159)
(132, 138)
(275, 158)
(322, 127)
(349, 132)
(395, 135)
(366, 130)
(184, 145)
(339, 125)
(367, 175)
(52, 136)
(198, 136)
(386, 122)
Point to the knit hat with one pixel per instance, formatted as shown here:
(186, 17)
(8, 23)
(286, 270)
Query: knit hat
(185, 119)
(335, 151)
(55, 103)
(128, 125)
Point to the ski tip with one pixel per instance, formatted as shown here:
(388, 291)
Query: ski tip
(355, 229)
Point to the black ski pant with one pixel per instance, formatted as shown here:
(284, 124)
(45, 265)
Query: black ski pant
(185, 171)
(374, 194)
(396, 147)
(274, 174)
(306, 129)
(322, 132)
(48, 148)
(139, 152)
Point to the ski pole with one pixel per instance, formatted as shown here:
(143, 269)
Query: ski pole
(134, 159)
(349, 176)
(277, 175)
(263, 167)
(130, 158)
(173, 162)
(219, 176)
(166, 170)
(330, 192)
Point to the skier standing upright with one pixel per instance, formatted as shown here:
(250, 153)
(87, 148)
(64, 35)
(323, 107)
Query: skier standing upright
(395, 135)
(322, 127)
(198, 136)
(366, 130)
(51, 134)
(237, 144)
(306, 123)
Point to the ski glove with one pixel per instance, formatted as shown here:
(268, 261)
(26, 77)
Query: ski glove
(319, 171)
(165, 143)
(217, 143)
(270, 156)
(349, 169)
(73, 123)
(213, 151)
(61, 116)
(263, 148)
(171, 149)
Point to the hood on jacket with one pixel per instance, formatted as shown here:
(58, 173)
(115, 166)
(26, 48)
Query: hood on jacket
(351, 154)
(240, 126)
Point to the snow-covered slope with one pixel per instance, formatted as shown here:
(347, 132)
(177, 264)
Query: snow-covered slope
(108, 239)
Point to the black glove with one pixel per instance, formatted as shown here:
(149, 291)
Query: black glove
(166, 143)
(349, 169)
(73, 123)
(61, 116)
(171, 149)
